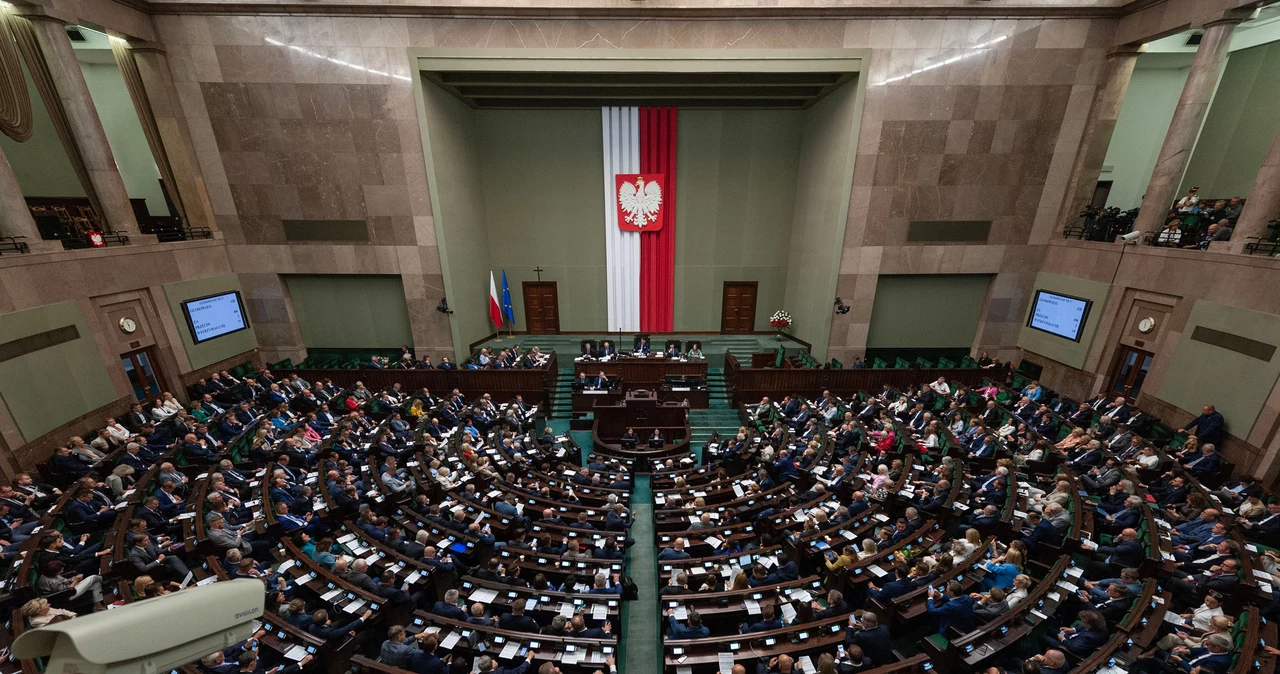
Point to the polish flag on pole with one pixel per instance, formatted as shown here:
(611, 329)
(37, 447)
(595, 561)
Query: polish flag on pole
(495, 309)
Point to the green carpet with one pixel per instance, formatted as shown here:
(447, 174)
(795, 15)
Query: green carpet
(640, 643)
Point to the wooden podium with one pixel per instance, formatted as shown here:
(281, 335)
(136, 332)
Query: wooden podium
(641, 411)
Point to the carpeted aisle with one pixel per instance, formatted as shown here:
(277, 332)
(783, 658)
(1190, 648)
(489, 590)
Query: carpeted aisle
(641, 640)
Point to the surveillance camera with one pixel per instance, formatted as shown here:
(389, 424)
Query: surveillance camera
(151, 636)
(1131, 237)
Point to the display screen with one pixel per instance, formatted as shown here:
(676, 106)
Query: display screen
(215, 316)
(1060, 315)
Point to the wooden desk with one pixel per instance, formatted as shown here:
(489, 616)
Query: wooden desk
(647, 373)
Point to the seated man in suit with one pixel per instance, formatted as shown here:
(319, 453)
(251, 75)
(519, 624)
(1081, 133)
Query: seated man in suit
(1036, 529)
(1083, 639)
(1203, 462)
(642, 347)
(873, 638)
(1125, 551)
(954, 609)
(606, 349)
(1214, 657)
(673, 553)
(588, 348)
(692, 629)
(673, 350)
(656, 440)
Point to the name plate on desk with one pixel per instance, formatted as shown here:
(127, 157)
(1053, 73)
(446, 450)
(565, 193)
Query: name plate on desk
(681, 388)
(595, 392)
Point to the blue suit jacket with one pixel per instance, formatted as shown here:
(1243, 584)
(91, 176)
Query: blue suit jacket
(1126, 553)
(957, 612)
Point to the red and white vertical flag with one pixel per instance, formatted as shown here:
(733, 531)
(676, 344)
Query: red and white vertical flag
(640, 191)
(495, 307)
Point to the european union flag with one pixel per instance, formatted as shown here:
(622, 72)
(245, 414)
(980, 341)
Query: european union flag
(506, 299)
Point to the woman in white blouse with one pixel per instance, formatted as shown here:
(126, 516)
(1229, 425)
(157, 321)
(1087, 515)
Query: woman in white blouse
(899, 406)
(930, 439)
(171, 403)
(159, 412)
(1021, 584)
(117, 432)
(868, 548)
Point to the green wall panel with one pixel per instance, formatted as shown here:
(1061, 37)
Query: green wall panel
(40, 163)
(357, 312)
(457, 204)
(1063, 350)
(218, 348)
(827, 147)
(47, 388)
(124, 131)
(1236, 384)
(541, 174)
(1144, 118)
(736, 185)
(1241, 121)
(927, 311)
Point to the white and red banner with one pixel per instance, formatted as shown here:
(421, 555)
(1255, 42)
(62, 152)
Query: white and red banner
(640, 180)
(495, 308)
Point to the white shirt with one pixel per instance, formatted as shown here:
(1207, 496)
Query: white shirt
(1149, 461)
(941, 387)
(1201, 616)
(1015, 596)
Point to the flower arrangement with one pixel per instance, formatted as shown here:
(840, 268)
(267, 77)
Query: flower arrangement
(780, 319)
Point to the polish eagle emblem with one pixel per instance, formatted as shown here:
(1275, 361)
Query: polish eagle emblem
(640, 202)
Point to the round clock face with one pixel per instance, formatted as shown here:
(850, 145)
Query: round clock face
(127, 325)
(1146, 325)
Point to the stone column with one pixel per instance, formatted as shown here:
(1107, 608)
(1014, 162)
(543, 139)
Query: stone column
(1210, 58)
(1096, 138)
(86, 127)
(1263, 203)
(157, 79)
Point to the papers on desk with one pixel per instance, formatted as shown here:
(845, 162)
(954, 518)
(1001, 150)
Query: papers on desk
(450, 641)
(483, 595)
(1038, 614)
(285, 566)
(296, 653)
(599, 612)
(353, 607)
(1054, 596)
(206, 581)
(877, 571)
(1088, 544)
(753, 606)
(566, 609)
(802, 595)
(714, 542)
(882, 517)
(509, 650)
(1075, 572)
(680, 613)
(726, 661)
(412, 578)
(571, 658)
(806, 665)
(959, 506)
(768, 562)
(1066, 586)
(331, 595)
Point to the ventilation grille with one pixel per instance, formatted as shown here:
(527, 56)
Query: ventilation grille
(41, 340)
(1242, 345)
(948, 231)
(354, 231)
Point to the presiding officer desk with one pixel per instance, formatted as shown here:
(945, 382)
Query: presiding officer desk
(640, 372)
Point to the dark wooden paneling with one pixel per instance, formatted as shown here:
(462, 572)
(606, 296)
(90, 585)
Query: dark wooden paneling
(648, 373)
(503, 385)
(749, 385)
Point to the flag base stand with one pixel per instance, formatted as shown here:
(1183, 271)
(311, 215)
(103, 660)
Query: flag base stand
(498, 338)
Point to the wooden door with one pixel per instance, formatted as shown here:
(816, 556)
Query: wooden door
(541, 308)
(1129, 372)
(738, 308)
(143, 370)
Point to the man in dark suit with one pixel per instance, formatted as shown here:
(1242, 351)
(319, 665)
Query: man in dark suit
(1113, 604)
(1083, 639)
(896, 587)
(1202, 463)
(1210, 426)
(873, 639)
(954, 609)
(1039, 530)
(1125, 550)
(517, 621)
